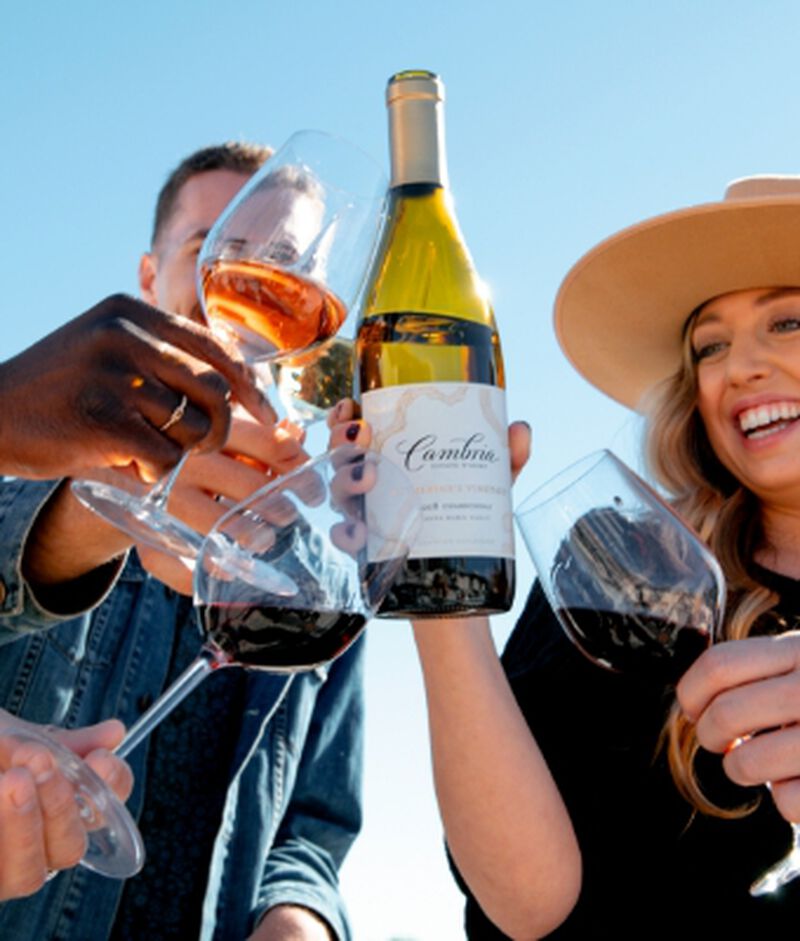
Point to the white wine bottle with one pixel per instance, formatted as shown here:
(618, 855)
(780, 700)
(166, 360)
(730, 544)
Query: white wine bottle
(429, 376)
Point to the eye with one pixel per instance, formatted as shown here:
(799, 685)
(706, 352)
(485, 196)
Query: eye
(786, 324)
(707, 349)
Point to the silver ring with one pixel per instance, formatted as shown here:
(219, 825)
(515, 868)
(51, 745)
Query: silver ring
(177, 414)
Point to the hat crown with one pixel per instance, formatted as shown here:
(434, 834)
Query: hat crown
(764, 186)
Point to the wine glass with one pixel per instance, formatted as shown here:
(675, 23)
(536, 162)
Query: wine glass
(277, 274)
(630, 583)
(114, 845)
(287, 579)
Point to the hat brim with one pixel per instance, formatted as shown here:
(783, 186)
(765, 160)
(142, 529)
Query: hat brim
(620, 311)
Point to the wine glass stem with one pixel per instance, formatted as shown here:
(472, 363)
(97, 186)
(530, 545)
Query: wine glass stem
(783, 871)
(192, 676)
(159, 494)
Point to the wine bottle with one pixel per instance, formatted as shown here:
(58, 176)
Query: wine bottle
(429, 376)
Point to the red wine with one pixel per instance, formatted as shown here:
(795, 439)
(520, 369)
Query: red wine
(639, 644)
(279, 638)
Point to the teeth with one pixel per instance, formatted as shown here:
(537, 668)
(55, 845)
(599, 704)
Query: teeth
(768, 414)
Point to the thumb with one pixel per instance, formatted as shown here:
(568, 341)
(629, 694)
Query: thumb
(107, 734)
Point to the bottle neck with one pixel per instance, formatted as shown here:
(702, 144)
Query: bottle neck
(416, 142)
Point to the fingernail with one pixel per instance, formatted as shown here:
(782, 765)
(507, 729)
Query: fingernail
(352, 431)
(23, 795)
(357, 472)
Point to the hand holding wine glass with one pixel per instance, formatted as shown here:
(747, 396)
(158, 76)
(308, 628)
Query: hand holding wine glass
(287, 579)
(742, 697)
(277, 274)
(67, 798)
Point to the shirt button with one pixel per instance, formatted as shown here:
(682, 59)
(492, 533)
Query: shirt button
(144, 702)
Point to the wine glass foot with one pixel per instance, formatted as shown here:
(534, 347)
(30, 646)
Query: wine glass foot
(778, 875)
(142, 519)
(114, 846)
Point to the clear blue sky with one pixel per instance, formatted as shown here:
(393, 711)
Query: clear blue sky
(565, 122)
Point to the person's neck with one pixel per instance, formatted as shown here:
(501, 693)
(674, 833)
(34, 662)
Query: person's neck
(781, 550)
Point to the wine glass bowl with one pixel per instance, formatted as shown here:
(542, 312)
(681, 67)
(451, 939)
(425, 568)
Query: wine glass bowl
(277, 274)
(286, 580)
(286, 260)
(632, 586)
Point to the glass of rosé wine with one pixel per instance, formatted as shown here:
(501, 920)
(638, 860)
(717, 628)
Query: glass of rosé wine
(277, 274)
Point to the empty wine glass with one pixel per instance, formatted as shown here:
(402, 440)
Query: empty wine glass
(277, 274)
(632, 586)
(288, 578)
(114, 846)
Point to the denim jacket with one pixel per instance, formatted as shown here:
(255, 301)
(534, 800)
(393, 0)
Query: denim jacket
(293, 805)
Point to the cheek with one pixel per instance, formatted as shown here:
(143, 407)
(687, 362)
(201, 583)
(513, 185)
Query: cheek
(711, 412)
(177, 290)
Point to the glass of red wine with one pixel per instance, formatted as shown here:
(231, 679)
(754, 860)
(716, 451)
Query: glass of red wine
(287, 579)
(632, 586)
(630, 583)
(277, 275)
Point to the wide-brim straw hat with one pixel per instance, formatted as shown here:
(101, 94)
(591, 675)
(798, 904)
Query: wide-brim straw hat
(621, 309)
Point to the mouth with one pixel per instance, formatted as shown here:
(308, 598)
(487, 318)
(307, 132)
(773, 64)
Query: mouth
(765, 420)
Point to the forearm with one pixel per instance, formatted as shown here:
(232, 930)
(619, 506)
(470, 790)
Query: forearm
(292, 923)
(65, 545)
(505, 822)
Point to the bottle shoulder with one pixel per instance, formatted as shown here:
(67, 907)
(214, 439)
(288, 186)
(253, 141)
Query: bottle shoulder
(423, 263)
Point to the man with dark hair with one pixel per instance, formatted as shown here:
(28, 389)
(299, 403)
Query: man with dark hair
(248, 795)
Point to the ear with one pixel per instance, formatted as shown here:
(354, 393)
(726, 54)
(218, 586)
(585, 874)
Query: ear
(148, 269)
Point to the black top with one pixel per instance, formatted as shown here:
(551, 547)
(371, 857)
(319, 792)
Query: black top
(652, 869)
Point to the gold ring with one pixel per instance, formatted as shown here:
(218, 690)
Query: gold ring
(177, 414)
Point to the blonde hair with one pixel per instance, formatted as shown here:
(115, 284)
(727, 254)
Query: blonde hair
(726, 517)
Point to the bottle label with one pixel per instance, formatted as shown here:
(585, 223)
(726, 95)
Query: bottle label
(452, 438)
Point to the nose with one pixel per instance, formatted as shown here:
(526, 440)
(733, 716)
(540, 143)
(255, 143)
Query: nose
(747, 362)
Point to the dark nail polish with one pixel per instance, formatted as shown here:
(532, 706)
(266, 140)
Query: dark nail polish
(352, 432)
(357, 472)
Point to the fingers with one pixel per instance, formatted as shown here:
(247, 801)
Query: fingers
(64, 831)
(736, 663)
(343, 411)
(771, 756)
(202, 344)
(350, 536)
(750, 707)
(519, 444)
(107, 734)
(168, 569)
(113, 771)
(786, 795)
(351, 431)
(23, 863)
(63, 835)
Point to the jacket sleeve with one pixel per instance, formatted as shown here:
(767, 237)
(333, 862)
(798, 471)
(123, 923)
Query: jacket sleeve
(20, 611)
(323, 814)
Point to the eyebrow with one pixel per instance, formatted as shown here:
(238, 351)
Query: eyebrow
(711, 316)
(774, 294)
(197, 234)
